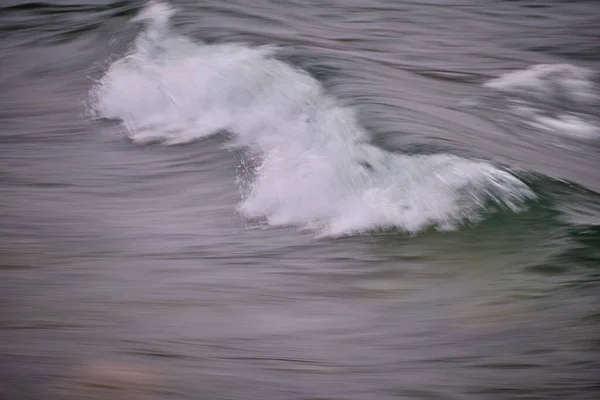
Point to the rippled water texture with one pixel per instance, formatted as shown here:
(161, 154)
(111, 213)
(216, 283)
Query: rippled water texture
(299, 200)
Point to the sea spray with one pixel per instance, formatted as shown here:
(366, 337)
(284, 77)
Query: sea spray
(316, 168)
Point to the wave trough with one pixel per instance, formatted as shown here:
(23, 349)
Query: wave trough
(316, 168)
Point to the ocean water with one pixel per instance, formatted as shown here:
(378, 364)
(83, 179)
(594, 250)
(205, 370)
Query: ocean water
(300, 199)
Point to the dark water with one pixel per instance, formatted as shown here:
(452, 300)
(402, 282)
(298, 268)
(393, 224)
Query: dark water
(400, 203)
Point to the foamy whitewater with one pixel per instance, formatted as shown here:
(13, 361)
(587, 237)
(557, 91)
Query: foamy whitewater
(559, 98)
(316, 168)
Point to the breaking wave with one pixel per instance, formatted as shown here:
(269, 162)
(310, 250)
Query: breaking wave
(558, 98)
(316, 167)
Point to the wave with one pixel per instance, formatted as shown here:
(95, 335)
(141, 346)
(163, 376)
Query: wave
(316, 168)
(559, 98)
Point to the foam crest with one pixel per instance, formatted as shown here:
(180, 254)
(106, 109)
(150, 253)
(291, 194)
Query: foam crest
(559, 98)
(316, 167)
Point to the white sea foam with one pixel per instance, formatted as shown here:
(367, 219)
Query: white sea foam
(560, 98)
(316, 169)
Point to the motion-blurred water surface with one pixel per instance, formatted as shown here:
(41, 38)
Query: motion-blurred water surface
(300, 199)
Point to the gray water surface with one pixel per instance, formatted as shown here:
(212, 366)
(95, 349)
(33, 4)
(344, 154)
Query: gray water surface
(127, 270)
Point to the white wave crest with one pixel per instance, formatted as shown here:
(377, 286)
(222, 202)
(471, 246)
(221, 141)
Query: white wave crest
(559, 98)
(317, 169)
